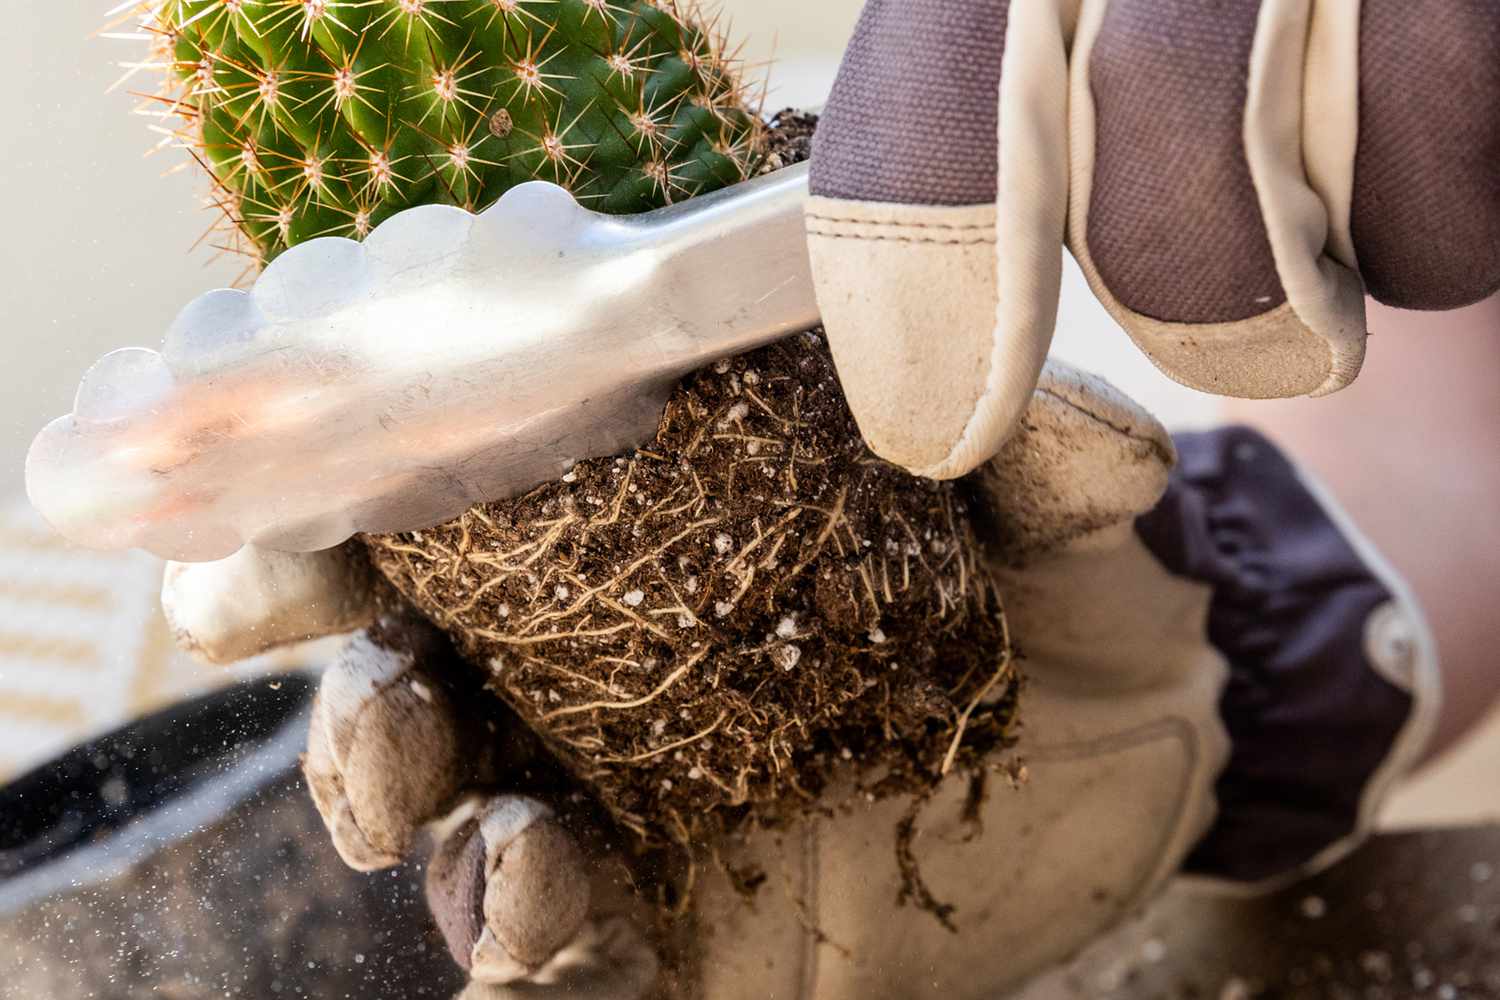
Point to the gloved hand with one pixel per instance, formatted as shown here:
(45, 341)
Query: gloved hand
(1233, 176)
(1177, 648)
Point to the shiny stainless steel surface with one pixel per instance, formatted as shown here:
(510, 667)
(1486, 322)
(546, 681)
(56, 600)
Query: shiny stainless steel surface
(448, 359)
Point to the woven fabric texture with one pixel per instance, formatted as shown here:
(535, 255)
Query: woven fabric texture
(914, 113)
(1426, 208)
(1174, 224)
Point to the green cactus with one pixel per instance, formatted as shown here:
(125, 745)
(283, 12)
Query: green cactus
(324, 117)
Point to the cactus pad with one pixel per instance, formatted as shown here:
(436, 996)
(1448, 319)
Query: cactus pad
(323, 117)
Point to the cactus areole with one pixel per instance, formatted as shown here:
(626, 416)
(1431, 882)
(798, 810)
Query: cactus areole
(324, 117)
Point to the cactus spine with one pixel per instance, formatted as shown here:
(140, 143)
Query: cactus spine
(324, 117)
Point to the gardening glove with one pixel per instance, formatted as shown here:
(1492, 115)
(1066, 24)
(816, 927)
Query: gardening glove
(526, 884)
(1233, 176)
(260, 599)
(1217, 632)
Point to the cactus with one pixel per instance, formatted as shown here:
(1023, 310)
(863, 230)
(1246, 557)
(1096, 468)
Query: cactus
(324, 117)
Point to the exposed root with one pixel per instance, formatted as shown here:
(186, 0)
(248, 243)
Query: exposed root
(913, 888)
(685, 741)
(620, 706)
(1004, 674)
(708, 631)
(706, 638)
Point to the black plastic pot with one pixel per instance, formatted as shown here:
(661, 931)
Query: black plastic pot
(181, 857)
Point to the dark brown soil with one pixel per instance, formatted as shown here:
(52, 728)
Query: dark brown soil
(788, 139)
(711, 628)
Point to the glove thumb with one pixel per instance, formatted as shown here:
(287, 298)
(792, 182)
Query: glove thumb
(1085, 457)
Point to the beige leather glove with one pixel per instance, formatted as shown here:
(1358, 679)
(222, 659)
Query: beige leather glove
(1132, 613)
(1121, 746)
(1009, 871)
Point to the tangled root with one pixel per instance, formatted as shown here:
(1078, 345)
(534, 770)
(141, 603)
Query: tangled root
(710, 628)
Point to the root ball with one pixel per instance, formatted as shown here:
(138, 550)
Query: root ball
(708, 630)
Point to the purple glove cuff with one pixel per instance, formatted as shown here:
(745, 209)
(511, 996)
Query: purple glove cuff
(1310, 718)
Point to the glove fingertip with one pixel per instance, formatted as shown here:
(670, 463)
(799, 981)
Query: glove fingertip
(908, 294)
(509, 889)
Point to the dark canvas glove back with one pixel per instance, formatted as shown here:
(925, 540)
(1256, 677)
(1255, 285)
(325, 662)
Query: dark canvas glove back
(1234, 177)
(1332, 689)
(1425, 217)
